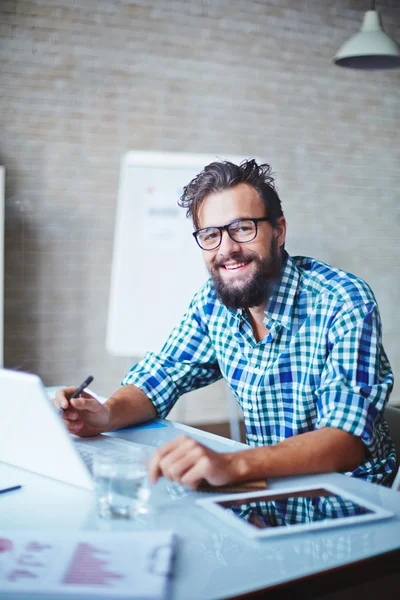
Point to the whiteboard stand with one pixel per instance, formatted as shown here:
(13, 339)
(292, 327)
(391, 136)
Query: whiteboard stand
(2, 236)
(180, 412)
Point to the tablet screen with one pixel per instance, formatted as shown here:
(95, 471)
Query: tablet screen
(285, 509)
(295, 509)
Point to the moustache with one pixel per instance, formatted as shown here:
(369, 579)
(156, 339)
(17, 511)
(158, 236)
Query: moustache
(236, 256)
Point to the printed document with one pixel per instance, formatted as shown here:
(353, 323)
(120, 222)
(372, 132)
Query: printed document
(94, 564)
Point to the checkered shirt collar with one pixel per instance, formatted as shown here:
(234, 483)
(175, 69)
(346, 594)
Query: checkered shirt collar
(280, 305)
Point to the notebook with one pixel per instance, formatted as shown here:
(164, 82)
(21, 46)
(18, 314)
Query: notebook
(34, 437)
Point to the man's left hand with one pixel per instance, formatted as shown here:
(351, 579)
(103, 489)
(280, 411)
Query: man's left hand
(188, 462)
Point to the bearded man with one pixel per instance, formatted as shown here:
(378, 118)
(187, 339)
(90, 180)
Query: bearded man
(298, 342)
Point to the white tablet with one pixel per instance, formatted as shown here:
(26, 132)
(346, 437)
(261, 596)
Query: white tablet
(293, 510)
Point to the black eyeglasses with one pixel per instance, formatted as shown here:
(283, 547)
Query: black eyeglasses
(241, 230)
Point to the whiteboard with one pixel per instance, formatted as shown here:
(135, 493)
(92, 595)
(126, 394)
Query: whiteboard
(157, 266)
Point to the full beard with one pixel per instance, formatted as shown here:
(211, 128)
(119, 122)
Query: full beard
(258, 288)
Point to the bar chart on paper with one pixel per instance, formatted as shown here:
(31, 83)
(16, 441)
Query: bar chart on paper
(90, 566)
(108, 565)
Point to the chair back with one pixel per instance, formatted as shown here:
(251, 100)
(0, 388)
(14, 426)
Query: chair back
(392, 417)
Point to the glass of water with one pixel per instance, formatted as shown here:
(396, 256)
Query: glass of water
(121, 483)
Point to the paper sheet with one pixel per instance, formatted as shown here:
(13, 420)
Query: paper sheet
(113, 565)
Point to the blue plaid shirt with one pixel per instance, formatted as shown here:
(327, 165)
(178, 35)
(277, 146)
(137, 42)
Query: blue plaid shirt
(321, 365)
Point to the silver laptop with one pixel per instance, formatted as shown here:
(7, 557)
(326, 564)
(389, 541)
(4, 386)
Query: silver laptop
(34, 437)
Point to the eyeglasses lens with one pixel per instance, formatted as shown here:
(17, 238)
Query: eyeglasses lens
(240, 231)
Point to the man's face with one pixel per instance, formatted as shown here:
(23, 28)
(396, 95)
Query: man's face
(242, 271)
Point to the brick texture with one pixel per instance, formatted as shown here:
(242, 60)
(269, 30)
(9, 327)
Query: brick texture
(85, 81)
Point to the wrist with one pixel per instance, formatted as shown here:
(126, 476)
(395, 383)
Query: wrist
(240, 467)
(251, 464)
(109, 421)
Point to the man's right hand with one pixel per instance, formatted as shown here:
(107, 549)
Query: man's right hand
(84, 416)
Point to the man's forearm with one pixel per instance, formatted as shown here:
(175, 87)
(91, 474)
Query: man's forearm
(129, 406)
(321, 451)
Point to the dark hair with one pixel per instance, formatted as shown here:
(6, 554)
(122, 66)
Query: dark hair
(219, 176)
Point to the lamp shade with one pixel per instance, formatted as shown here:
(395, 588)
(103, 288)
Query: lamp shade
(370, 48)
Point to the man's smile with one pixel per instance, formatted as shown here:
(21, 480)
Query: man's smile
(231, 268)
(235, 265)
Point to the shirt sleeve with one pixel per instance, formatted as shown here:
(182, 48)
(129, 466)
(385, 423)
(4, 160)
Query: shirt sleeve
(187, 361)
(357, 381)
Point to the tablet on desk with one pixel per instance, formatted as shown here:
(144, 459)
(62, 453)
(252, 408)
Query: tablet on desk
(294, 510)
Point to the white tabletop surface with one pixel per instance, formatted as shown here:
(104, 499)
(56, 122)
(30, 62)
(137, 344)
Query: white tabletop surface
(213, 560)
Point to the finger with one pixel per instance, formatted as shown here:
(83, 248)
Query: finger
(85, 403)
(154, 470)
(70, 415)
(55, 402)
(174, 465)
(61, 399)
(166, 448)
(74, 426)
(198, 473)
(174, 458)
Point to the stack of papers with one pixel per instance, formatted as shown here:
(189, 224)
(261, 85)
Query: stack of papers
(86, 564)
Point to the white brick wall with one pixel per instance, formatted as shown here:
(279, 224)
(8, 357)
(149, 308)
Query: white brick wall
(83, 82)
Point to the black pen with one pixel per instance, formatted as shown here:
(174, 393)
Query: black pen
(78, 391)
(11, 489)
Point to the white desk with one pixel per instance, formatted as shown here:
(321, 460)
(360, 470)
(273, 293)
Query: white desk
(213, 560)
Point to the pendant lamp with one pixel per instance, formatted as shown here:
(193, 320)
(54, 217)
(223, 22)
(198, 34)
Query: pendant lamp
(370, 48)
